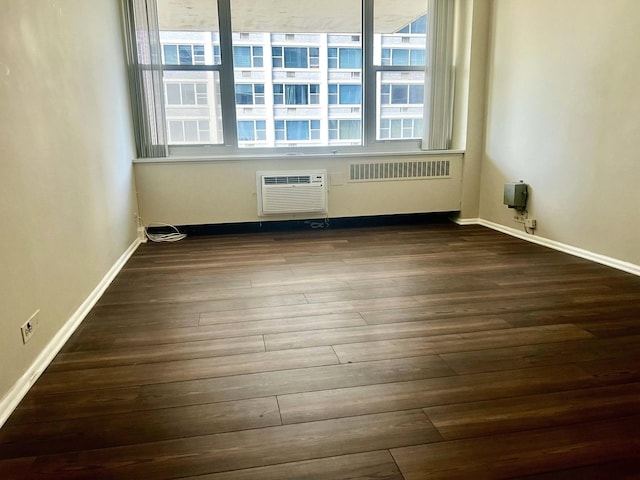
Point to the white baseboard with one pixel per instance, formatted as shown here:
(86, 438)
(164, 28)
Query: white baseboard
(466, 221)
(15, 395)
(562, 247)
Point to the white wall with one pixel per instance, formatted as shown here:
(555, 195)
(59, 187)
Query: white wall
(66, 181)
(564, 116)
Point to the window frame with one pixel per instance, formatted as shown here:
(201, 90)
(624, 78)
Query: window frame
(230, 146)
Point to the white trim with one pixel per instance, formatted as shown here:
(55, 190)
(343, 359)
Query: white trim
(16, 393)
(466, 221)
(562, 247)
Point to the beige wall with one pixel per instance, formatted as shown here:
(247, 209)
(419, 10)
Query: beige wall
(225, 191)
(472, 27)
(66, 185)
(564, 116)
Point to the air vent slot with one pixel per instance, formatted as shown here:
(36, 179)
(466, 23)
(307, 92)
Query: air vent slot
(386, 171)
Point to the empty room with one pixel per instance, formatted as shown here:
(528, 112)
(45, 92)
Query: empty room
(355, 239)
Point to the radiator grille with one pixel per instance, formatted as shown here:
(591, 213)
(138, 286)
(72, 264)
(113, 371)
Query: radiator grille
(371, 172)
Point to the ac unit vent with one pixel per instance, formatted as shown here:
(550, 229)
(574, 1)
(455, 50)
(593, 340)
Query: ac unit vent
(287, 180)
(385, 171)
(291, 192)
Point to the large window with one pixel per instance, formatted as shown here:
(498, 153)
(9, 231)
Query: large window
(241, 74)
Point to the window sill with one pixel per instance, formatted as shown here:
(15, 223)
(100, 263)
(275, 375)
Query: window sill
(251, 155)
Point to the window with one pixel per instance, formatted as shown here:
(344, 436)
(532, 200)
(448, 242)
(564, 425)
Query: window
(186, 93)
(350, 58)
(417, 26)
(345, 94)
(286, 94)
(344, 129)
(401, 94)
(189, 131)
(297, 130)
(183, 54)
(247, 57)
(249, 93)
(403, 57)
(400, 128)
(252, 130)
(303, 74)
(295, 57)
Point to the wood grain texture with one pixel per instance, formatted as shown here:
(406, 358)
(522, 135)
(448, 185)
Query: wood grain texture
(378, 465)
(395, 353)
(523, 453)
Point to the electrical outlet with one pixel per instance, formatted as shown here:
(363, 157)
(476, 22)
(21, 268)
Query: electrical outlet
(29, 327)
(519, 218)
(530, 223)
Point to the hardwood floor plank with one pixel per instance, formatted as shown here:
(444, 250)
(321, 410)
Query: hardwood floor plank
(116, 339)
(622, 470)
(492, 417)
(137, 427)
(376, 465)
(407, 347)
(129, 375)
(265, 313)
(522, 453)
(495, 359)
(368, 333)
(59, 407)
(168, 293)
(344, 402)
(241, 450)
(152, 354)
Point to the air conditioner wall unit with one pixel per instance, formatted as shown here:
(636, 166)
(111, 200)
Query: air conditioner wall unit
(292, 192)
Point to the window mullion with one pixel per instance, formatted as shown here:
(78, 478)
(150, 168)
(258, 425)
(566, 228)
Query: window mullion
(369, 81)
(227, 80)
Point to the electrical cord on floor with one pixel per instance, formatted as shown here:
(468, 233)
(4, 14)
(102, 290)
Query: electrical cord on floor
(324, 224)
(175, 236)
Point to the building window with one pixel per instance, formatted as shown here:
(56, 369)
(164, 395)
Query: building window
(297, 130)
(417, 26)
(345, 129)
(247, 57)
(400, 128)
(349, 58)
(183, 54)
(249, 93)
(403, 57)
(401, 94)
(189, 131)
(295, 57)
(186, 94)
(294, 94)
(252, 130)
(345, 94)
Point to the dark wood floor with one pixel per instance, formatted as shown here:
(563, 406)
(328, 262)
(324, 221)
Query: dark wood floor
(429, 351)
